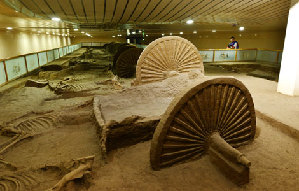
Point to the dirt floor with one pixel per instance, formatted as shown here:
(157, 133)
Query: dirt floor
(55, 127)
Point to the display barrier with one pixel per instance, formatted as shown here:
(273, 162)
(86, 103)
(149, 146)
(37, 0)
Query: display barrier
(56, 53)
(93, 44)
(222, 55)
(2, 74)
(31, 61)
(50, 55)
(42, 58)
(15, 67)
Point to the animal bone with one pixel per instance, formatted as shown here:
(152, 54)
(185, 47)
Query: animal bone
(84, 168)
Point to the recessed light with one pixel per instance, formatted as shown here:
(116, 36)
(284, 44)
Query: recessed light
(142, 39)
(133, 32)
(140, 31)
(47, 33)
(55, 19)
(53, 33)
(9, 28)
(181, 32)
(189, 22)
(163, 34)
(76, 29)
(146, 35)
(113, 36)
(194, 32)
(242, 28)
(170, 34)
(214, 30)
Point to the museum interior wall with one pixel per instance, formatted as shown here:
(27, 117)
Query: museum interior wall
(18, 43)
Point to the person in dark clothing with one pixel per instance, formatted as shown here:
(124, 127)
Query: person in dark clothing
(234, 44)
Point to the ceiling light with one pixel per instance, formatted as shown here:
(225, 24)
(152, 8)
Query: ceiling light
(181, 32)
(242, 28)
(194, 32)
(9, 28)
(82, 32)
(142, 39)
(189, 22)
(146, 35)
(47, 32)
(53, 33)
(76, 29)
(214, 30)
(163, 34)
(140, 31)
(113, 36)
(133, 32)
(55, 19)
(170, 34)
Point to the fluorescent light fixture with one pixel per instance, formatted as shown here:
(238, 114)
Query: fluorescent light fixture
(189, 22)
(170, 34)
(214, 30)
(55, 19)
(242, 28)
(133, 32)
(9, 28)
(76, 29)
(113, 36)
(181, 32)
(194, 32)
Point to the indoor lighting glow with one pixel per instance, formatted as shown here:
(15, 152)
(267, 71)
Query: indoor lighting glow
(214, 30)
(181, 32)
(56, 19)
(140, 31)
(194, 32)
(53, 33)
(82, 32)
(170, 34)
(133, 32)
(163, 34)
(242, 28)
(113, 36)
(9, 28)
(146, 35)
(76, 29)
(189, 22)
(47, 33)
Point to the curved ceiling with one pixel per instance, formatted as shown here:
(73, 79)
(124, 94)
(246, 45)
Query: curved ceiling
(160, 14)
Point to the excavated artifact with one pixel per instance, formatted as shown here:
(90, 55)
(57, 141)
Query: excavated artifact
(126, 63)
(210, 117)
(120, 50)
(166, 55)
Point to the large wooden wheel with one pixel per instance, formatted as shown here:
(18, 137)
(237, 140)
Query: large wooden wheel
(126, 63)
(171, 53)
(120, 50)
(223, 106)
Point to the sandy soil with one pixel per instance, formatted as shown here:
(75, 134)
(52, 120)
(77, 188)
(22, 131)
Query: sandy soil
(73, 134)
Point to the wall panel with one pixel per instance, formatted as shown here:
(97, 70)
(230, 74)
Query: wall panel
(225, 55)
(266, 56)
(50, 55)
(56, 54)
(207, 55)
(32, 61)
(2, 73)
(15, 67)
(246, 55)
(42, 58)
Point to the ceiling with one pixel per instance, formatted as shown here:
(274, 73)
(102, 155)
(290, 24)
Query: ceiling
(153, 16)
